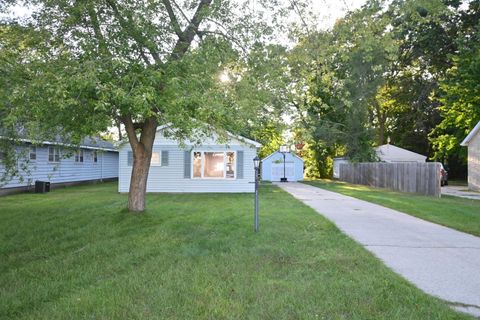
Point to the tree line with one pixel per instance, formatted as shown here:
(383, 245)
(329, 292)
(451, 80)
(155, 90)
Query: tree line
(404, 70)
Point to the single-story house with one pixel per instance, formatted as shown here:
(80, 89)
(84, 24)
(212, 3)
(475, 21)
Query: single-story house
(385, 153)
(56, 162)
(212, 166)
(472, 141)
(273, 167)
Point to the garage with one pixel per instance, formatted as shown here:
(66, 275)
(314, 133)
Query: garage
(274, 168)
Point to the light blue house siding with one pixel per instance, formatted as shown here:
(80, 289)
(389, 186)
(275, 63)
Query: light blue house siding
(174, 170)
(61, 170)
(273, 169)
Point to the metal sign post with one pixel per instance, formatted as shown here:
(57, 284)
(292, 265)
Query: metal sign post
(256, 162)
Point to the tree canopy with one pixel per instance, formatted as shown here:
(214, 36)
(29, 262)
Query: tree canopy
(404, 71)
(95, 64)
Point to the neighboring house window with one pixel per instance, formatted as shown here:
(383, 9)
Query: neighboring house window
(156, 160)
(95, 156)
(79, 156)
(211, 165)
(33, 153)
(53, 154)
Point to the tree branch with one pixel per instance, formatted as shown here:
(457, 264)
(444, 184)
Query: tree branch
(173, 19)
(102, 45)
(130, 128)
(190, 31)
(134, 33)
(201, 33)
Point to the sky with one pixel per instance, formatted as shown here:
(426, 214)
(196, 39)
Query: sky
(328, 11)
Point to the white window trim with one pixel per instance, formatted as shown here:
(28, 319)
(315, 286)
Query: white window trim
(94, 155)
(159, 158)
(202, 170)
(30, 153)
(56, 151)
(78, 153)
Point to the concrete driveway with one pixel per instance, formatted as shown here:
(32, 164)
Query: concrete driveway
(441, 261)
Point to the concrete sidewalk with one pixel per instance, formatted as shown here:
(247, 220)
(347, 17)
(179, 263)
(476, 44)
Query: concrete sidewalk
(441, 261)
(460, 191)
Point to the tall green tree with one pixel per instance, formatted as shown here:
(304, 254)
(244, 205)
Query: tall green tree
(347, 69)
(141, 64)
(460, 92)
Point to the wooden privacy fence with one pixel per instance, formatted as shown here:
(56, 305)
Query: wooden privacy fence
(422, 178)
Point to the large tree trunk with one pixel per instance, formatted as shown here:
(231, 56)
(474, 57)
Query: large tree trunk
(142, 153)
(138, 181)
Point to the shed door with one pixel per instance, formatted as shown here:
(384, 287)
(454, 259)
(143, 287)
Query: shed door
(277, 171)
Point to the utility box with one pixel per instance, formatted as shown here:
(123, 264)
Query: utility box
(42, 186)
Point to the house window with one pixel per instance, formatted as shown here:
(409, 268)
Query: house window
(95, 156)
(156, 160)
(53, 154)
(79, 156)
(213, 165)
(33, 153)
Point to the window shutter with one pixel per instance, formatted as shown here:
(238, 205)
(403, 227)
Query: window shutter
(130, 158)
(164, 158)
(240, 164)
(187, 161)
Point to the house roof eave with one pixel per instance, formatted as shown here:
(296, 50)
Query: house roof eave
(470, 136)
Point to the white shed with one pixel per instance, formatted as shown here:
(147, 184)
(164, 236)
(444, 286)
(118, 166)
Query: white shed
(273, 167)
(209, 167)
(391, 153)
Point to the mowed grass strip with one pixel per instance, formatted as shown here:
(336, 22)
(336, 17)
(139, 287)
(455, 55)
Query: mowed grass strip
(75, 253)
(454, 212)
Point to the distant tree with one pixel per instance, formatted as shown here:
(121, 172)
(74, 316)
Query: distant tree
(347, 68)
(460, 109)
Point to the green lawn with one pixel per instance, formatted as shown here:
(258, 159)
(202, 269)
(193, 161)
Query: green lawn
(76, 254)
(457, 213)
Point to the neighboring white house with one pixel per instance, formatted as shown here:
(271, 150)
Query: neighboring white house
(273, 169)
(55, 162)
(210, 167)
(385, 153)
(391, 153)
(472, 141)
